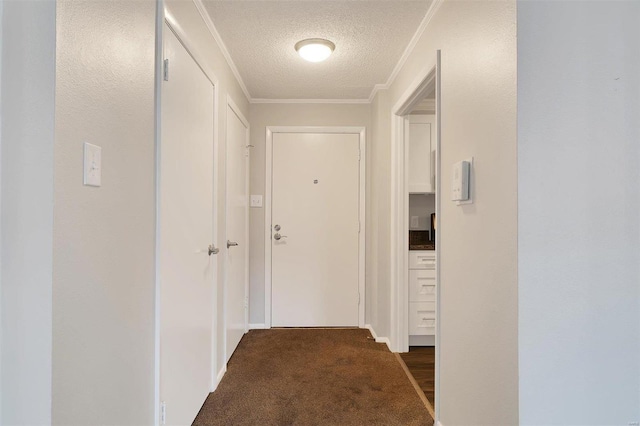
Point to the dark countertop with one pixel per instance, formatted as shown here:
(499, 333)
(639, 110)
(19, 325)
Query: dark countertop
(428, 246)
(419, 240)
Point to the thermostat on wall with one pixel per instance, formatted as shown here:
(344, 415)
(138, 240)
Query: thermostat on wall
(460, 181)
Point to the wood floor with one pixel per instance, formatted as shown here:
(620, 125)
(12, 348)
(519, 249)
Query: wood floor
(420, 361)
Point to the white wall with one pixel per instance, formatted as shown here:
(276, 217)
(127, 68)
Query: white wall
(379, 225)
(479, 333)
(185, 14)
(104, 238)
(1, 310)
(422, 205)
(261, 116)
(27, 134)
(579, 198)
(1, 244)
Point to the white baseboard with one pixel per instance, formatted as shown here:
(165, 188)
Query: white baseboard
(217, 380)
(378, 339)
(370, 328)
(422, 340)
(221, 373)
(257, 326)
(384, 340)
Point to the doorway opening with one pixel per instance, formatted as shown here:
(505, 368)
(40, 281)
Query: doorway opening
(416, 239)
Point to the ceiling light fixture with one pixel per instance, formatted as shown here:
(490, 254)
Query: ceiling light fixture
(315, 49)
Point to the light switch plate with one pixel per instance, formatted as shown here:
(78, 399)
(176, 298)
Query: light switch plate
(92, 165)
(256, 201)
(415, 222)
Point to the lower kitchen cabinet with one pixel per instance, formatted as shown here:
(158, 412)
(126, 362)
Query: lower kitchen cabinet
(422, 297)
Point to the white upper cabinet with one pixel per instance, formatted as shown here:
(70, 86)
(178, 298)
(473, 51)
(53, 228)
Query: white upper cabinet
(422, 145)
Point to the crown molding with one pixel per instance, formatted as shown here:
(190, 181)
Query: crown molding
(375, 90)
(308, 101)
(392, 77)
(409, 49)
(223, 48)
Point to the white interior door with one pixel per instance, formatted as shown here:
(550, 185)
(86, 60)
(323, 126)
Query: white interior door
(236, 303)
(186, 227)
(315, 227)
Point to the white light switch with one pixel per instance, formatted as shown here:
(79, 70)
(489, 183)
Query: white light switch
(92, 165)
(256, 201)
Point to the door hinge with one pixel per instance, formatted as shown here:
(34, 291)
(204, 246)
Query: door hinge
(358, 298)
(359, 155)
(165, 70)
(246, 303)
(359, 227)
(163, 413)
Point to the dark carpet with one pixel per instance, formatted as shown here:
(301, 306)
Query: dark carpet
(313, 377)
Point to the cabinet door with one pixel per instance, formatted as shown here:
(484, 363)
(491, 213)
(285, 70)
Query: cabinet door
(422, 285)
(422, 259)
(422, 318)
(422, 130)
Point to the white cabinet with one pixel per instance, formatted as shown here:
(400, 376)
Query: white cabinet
(422, 259)
(422, 145)
(422, 285)
(422, 319)
(422, 296)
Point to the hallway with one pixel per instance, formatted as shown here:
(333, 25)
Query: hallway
(313, 376)
(109, 208)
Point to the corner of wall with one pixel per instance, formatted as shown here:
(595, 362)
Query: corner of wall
(478, 66)
(377, 338)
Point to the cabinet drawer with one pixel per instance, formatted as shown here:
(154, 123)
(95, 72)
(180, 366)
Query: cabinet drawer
(422, 285)
(422, 259)
(422, 318)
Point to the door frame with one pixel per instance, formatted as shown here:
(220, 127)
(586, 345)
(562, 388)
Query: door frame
(163, 16)
(231, 105)
(270, 130)
(399, 336)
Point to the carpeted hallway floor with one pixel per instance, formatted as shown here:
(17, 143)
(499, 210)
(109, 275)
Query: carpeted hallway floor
(313, 377)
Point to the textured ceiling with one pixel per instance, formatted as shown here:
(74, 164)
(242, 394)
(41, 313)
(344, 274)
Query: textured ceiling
(370, 37)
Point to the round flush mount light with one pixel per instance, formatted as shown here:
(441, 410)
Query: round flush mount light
(315, 49)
